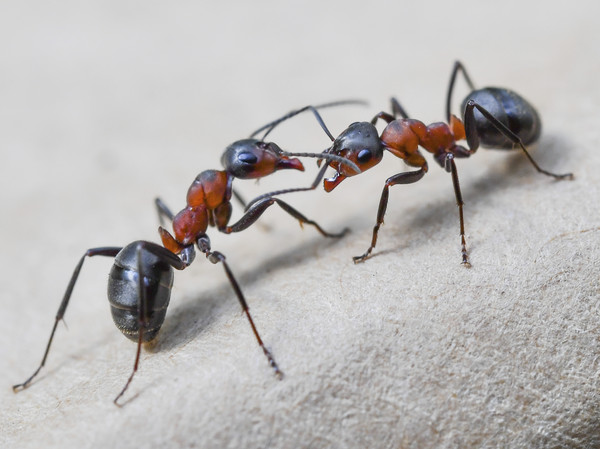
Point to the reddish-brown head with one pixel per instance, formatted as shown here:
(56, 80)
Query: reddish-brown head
(360, 144)
(251, 158)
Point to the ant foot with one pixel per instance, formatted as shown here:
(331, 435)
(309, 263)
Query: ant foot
(339, 235)
(365, 256)
(273, 364)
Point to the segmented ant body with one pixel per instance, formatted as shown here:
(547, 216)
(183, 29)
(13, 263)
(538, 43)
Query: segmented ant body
(209, 196)
(493, 117)
(139, 290)
(141, 278)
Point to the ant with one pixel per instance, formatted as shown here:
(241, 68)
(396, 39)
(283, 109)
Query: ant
(492, 117)
(139, 289)
(208, 198)
(141, 278)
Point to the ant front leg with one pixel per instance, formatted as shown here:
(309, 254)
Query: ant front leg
(104, 251)
(400, 178)
(473, 137)
(216, 257)
(313, 186)
(259, 207)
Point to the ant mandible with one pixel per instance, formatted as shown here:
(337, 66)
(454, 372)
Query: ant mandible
(503, 120)
(141, 278)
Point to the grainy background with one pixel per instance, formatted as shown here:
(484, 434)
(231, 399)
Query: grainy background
(104, 105)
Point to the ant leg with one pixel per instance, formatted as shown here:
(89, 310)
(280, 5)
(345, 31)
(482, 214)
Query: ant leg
(383, 116)
(473, 138)
(163, 211)
(398, 110)
(104, 251)
(270, 126)
(261, 206)
(216, 257)
(143, 312)
(240, 199)
(313, 186)
(325, 155)
(400, 178)
(142, 320)
(459, 202)
(457, 66)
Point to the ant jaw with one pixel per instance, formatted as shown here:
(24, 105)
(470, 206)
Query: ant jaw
(285, 163)
(331, 183)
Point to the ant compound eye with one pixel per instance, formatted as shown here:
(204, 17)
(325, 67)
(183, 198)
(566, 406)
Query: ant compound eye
(364, 156)
(247, 158)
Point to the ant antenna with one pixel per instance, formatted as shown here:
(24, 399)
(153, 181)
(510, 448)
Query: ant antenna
(327, 156)
(270, 126)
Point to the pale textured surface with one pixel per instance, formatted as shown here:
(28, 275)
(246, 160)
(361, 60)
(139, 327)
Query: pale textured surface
(105, 106)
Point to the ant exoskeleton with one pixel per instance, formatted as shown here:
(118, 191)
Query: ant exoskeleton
(208, 198)
(141, 278)
(492, 117)
(139, 289)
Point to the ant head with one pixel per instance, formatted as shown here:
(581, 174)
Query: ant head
(360, 144)
(252, 158)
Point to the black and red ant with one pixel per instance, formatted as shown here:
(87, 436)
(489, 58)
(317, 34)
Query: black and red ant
(492, 117)
(141, 278)
(209, 197)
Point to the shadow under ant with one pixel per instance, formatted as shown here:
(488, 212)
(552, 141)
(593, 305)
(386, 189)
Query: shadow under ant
(189, 319)
(440, 214)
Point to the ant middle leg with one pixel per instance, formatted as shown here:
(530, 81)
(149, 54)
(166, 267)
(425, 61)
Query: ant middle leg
(216, 257)
(103, 251)
(259, 207)
(451, 167)
(400, 178)
(473, 137)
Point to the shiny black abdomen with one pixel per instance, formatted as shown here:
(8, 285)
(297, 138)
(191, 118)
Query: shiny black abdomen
(124, 295)
(511, 110)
